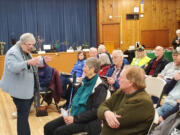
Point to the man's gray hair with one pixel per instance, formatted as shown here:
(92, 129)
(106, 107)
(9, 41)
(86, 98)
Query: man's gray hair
(101, 47)
(27, 37)
(119, 52)
(93, 63)
(93, 49)
(104, 59)
(159, 47)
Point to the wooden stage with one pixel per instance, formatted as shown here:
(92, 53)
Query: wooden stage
(8, 125)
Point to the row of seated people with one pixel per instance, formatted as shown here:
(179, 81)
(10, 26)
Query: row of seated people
(129, 107)
(117, 57)
(111, 71)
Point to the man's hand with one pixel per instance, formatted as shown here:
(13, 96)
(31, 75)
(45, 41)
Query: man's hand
(110, 80)
(111, 119)
(160, 119)
(69, 120)
(177, 76)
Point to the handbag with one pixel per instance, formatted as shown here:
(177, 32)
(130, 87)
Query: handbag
(41, 111)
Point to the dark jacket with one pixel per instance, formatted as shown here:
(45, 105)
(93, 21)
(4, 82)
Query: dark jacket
(160, 66)
(45, 75)
(174, 43)
(90, 115)
(56, 86)
(110, 73)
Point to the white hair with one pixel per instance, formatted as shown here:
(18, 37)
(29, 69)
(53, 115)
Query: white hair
(27, 37)
(101, 47)
(119, 52)
(93, 49)
(178, 31)
(104, 59)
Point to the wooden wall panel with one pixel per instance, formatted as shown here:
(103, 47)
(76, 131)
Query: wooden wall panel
(153, 38)
(158, 15)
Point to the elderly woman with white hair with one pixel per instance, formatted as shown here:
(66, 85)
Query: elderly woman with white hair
(105, 64)
(176, 41)
(20, 79)
(83, 115)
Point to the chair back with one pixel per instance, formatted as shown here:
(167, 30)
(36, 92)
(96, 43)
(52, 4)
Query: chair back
(154, 86)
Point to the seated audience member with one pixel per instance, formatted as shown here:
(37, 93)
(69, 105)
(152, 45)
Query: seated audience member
(171, 100)
(131, 53)
(105, 64)
(83, 117)
(171, 68)
(78, 69)
(176, 41)
(93, 52)
(115, 70)
(175, 109)
(78, 66)
(129, 111)
(170, 126)
(157, 64)
(102, 49)
(141, 60)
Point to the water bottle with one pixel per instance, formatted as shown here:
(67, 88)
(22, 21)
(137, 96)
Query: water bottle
(64, 112)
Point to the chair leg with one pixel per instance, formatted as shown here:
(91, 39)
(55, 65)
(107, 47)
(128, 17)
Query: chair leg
(57, 107)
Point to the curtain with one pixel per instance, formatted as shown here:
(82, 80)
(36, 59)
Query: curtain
(73, 21)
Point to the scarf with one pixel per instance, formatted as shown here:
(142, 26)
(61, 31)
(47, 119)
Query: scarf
(34, 70)
(82, 95)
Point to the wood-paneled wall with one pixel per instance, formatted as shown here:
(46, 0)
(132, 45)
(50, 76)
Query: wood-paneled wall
(158, 15)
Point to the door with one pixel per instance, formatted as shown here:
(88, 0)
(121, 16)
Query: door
(111, 36)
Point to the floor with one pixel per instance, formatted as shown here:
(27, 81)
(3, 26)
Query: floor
(8, 123)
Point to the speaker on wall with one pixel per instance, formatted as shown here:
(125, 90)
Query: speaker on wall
(132, 16)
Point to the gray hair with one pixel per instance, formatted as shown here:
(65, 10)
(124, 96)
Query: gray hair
(93, 63)
(27, 37)
(104, 59)
(159, 47)
(93, 49)
(101, 47)
(119, 52)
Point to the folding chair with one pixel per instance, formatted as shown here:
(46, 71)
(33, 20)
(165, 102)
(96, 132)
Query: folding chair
(53, 91)
(154, 87)
(47, 97)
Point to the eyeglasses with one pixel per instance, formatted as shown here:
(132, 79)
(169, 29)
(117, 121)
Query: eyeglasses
(29, 44)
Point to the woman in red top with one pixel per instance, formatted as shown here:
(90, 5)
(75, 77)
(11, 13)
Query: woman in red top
(105, 64)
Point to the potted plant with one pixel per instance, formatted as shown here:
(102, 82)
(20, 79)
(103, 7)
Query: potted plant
(2, 47)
